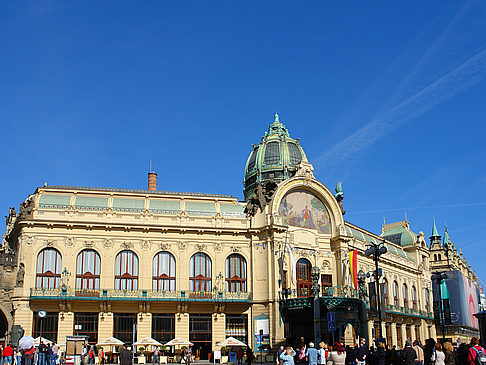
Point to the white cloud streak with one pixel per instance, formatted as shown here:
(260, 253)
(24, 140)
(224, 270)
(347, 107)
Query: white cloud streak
(462, 77)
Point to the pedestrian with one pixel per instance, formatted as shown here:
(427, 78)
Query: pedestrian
(301, 354)
(312, 354)
(48, 354)
(476, 353)
(28, 354)
(419, 351)
(249, 355)
(462, 353)
(287, 356)
(379, 355)
(408, 353)
(54, 351)
(438, 357)
(188, 355)
(239, 356)
(328, 355)
(361, 352)
(428, 351)
(338, 355)
(322, 353)
(101, 356)
(126, 356)
(280, 351)
(155, 355)
(42, 350)
(8, 355)
(449, 354)
(18, 355)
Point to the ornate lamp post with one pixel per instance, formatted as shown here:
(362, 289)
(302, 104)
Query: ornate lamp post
(376, 250)
(315, 275)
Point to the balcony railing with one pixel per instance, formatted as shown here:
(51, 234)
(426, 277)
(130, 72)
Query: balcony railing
(408, 311)
(342, 291)
(139, 295)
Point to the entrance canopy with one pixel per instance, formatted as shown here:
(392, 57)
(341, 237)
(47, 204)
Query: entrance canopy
(110, 341)
(45, 341)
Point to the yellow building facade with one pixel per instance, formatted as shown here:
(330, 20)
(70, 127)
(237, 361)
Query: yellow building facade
(147, 263)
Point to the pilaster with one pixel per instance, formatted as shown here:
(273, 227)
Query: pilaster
(403, 328)
(182, 325)
(144, 325)
(66, 326)
(394, 336)
(219, 328)
(24, 316)
(105, 325)
(370, 330)
(412, 333)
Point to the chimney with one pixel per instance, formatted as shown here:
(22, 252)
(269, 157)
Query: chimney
(152, 181)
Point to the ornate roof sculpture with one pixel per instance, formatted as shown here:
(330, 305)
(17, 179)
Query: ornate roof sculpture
(274, 159)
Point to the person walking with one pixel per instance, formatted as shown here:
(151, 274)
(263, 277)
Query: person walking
(101, 356)
(126, 356)
(379, 358)
(42, 349)
(419, 351)
(239, 356)
(249, 355)
(449, 354)
(312, 354)
(18, 356)
(8, 355)
(322, 353)
(338, 355)
(54, 352)
(408, 353)
(328, 355)
(428, 351)
(438, 357)
(287, 356)
(476, 353)
(361, 352)
(28, 355)
(155, 355)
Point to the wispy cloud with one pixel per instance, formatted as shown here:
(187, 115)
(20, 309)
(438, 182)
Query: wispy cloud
(468, 73)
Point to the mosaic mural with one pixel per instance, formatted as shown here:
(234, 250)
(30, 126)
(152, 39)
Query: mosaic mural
(303, 209)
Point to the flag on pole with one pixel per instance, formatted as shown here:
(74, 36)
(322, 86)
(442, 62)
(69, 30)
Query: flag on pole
(292, 264)
(353, 267)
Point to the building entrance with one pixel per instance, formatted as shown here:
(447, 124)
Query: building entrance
(201, 335)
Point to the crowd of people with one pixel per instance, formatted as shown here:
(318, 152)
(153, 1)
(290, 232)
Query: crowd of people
(416, 353)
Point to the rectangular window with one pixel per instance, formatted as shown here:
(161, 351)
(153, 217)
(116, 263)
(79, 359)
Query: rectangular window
(46, 326)
(86, 324)
(326, 281)
(284, 280)
(123, 325)
(237, 326)
(163, 327)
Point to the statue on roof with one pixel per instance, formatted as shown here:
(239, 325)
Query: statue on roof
(340, 196)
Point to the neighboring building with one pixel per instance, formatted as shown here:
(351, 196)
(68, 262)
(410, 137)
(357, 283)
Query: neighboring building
(206, 266)
(461, 289)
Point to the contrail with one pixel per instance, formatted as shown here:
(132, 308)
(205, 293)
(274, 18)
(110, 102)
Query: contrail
(463, 76)
(413, 208)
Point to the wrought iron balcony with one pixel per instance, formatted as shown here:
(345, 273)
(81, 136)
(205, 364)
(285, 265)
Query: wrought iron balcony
(390, 308)
(139, 295)
(341, 291)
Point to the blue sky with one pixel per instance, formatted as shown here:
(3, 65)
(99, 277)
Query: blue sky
(388, 97)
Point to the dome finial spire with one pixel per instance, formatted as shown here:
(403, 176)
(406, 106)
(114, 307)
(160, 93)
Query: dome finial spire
(275, 118)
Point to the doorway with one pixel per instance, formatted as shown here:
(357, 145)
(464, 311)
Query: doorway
(201, 335)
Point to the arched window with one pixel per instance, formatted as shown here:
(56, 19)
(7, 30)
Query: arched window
(272, 153)
(395, 293)
(414, 298)
(427, 300)
(163, 271)
(304, 280)
(385, 290)
(49, 264)
(126, 271)
(200, 272)
(405, 296)
(435, 257)
(440, 257)
(236, 273)
(88, 266)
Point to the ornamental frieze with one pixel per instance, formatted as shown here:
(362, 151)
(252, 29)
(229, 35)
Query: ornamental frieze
(127, 245)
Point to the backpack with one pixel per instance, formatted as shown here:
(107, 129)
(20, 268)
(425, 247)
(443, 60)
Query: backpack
(480, 358)
(302, 354)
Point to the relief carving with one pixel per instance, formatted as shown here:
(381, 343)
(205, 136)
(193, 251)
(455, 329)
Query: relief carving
(182, 246)
(49, 243)
(89, 244)
(68, 241)
(127, 245)
(145, 244)
(218, 247)
(164, 246)
(201, 247)
(107, 243)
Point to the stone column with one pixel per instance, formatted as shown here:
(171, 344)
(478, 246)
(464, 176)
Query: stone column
(105, 325)
(383, 329)
(144, 325)
(393, 327)
(182, 325)
(65, 326)
(432, 332)
(370, 330)
(403, 328)
(412, 333)
(219, 328)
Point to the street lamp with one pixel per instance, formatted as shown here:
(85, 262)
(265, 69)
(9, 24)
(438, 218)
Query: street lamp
(41, 314)
(376, 250)
(315, 275)
(438, 277)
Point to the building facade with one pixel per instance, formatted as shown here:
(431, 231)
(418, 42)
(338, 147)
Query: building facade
(113, 262)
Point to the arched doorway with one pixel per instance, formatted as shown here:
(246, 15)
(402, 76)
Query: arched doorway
(3, 327)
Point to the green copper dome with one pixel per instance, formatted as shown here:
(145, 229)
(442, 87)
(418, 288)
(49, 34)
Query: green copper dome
(273, 159)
